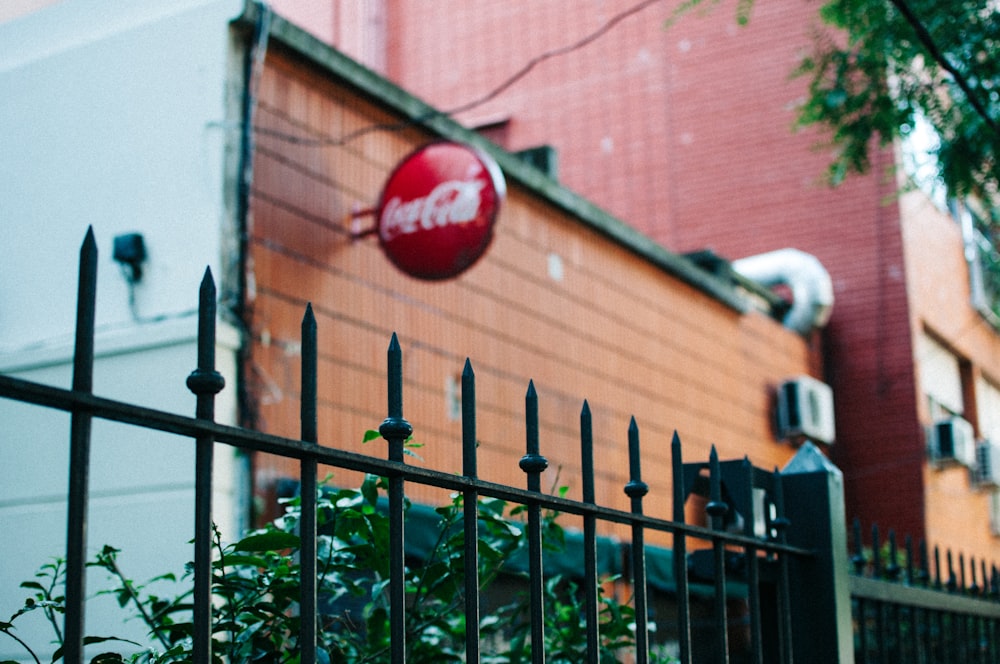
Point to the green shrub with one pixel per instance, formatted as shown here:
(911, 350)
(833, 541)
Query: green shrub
(255, 588)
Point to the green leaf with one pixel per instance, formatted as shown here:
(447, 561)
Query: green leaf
(369, 489)
(268, 541)
(107, 658)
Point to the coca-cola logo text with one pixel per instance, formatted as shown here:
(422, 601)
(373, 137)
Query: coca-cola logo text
(451, 202)
(437, 210)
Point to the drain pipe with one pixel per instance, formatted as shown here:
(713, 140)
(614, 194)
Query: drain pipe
(804, 275)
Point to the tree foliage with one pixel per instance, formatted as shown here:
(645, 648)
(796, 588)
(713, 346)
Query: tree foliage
(889, 64)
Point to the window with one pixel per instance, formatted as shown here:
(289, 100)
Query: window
(988, 409)
(940, 378)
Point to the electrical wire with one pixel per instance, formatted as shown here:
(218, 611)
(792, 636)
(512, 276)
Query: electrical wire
(327, 141)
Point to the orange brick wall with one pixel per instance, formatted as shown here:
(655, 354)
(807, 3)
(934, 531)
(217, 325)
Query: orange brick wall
(615, 330)
(957, 510)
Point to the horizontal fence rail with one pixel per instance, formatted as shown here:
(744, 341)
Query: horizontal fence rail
(753, 553)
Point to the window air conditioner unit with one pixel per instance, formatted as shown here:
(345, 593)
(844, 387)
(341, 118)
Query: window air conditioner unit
(805, 410)
(988, 464)
(952, 439)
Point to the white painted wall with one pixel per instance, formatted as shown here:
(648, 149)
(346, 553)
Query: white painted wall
(112, 115)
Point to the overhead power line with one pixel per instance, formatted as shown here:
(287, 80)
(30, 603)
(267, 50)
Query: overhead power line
(489, 96)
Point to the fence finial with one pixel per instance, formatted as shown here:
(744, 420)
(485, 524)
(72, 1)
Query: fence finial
(394, 428)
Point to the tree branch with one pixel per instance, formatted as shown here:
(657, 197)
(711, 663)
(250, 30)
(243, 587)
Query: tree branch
(928, 41)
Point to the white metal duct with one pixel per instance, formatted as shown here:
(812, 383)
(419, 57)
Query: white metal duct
(803, 275)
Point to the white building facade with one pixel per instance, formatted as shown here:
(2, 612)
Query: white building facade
(120, 117)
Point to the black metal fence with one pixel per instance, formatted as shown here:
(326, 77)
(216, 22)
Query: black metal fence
(921, 607)
(768, 532)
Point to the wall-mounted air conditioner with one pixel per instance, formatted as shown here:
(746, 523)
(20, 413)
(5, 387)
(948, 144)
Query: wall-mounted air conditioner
(804, 409)
(952, 439)
(987, 473)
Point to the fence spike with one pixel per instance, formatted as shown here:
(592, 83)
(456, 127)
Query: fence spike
(309, 371)
(717, 509)
(469, 441)
(937, 567)
(470, 512)
(680, 554)
(533, 463)
(952, 578)
(308, 489)
(636, 489)
(395, 430)
(910, 572)
(892, 570)
(79, 462)
(205, 382)
(876, 552)
(590, 584)
(925, 565)
(858, 559)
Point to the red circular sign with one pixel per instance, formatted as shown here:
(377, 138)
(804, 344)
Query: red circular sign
(437, 209)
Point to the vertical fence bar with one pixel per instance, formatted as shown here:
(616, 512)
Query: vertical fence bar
(861, 604)
(917, 614)
(952, 583)
(591, 581)
(911, 573)
(205, 382)
(937, 568)
(470, 506)
(938, 617)
(716, 509)
(636, 489)
(924, 575)
(533, 463)
(894, 627)
(780, 525)
(308, 599)
(753, 569)
(961, 622)
(680, 554)
(396, 430)
(881, 636)
(79, 455)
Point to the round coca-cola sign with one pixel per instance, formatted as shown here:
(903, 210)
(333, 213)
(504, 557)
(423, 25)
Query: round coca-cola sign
(437, 210)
